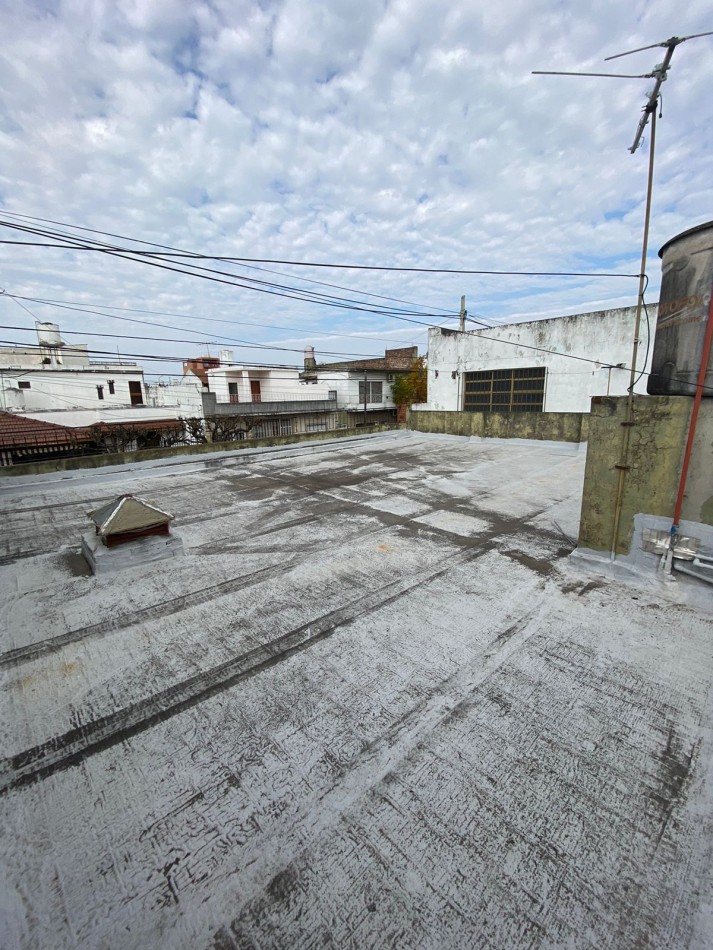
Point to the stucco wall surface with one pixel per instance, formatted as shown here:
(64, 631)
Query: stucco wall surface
(545, 426)
(657, 443)
(601, 340)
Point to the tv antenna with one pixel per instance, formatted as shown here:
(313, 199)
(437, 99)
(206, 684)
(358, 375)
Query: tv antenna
(659, 74)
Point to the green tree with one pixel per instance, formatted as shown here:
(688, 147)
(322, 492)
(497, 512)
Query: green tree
(417, 380)
(400, 391)
(411, 388)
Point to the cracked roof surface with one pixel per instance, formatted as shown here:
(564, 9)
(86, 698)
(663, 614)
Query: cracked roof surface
(373, 705)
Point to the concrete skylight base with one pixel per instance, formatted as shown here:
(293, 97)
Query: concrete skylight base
(104, 560)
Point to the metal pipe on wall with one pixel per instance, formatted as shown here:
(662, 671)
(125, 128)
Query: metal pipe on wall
(705, 355)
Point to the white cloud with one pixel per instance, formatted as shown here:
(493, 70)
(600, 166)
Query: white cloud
(403, 133)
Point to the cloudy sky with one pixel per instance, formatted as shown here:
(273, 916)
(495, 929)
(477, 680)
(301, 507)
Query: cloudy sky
(400, 133)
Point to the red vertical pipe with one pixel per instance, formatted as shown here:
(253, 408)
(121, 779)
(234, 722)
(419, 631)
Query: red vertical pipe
(694, 416)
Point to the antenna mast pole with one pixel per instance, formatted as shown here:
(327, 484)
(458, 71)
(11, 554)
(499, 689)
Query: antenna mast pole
(629, 421)
(651, 106)
(659, 75)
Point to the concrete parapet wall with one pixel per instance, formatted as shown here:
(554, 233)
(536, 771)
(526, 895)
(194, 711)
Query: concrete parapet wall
(176, 451)
(543, 426)
(657, 441)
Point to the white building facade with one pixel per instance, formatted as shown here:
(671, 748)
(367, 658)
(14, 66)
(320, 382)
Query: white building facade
(553, 365)
(239, 384)
(270, 402)
(55, 376)
(182, 397)
(363, 387)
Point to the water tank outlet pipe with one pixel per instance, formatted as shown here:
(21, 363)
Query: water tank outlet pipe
(693, 421)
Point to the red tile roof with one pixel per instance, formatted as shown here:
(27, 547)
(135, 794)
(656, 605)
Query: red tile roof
(17, 430)
(23, 431)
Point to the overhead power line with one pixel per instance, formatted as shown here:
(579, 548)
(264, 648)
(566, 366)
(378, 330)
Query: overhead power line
(182, 253)
(68, 241)
(206, 273)
(167, 247)
(83, 307)
(323, 375)
(362, 267)
(218, 339)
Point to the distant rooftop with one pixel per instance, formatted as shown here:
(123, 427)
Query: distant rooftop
(393, 360)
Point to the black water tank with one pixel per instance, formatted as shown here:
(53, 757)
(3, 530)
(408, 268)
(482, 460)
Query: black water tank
(687, 265)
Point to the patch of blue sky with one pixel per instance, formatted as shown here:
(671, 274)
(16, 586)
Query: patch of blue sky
(281, 187)
(47, 7)
(617, 214)
(185, 54)
(257, 127)
(598, 263)
(225, 92)
(327, 77)
(198, 198)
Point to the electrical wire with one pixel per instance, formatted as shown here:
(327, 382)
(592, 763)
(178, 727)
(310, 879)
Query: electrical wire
(648, 334)
(82, 307)
(179, 252)
(361, 267)
(219, 340)
(164, 261)
(321, 374)
(167, 247)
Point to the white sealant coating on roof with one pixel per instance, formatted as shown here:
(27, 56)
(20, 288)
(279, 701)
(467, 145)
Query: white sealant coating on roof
(373, 705)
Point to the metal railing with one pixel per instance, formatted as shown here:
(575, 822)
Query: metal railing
(267, 399)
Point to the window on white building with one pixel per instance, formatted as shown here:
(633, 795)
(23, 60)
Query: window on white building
(332, 394)
(233, 392)
(505, 390)
(110, 384)
(24, 384)
(374, 391)
(100, 392)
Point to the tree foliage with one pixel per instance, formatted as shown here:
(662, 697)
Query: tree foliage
(411, 388)
(126, 437)
(220, 428)
(400, 391)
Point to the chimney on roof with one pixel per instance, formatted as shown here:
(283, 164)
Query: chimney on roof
(309, 374)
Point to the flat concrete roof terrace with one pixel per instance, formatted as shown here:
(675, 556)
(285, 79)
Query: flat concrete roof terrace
(374, 705)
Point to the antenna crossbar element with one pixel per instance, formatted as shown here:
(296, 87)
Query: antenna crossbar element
(558, 72)
(659, 74)
(673, 41)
